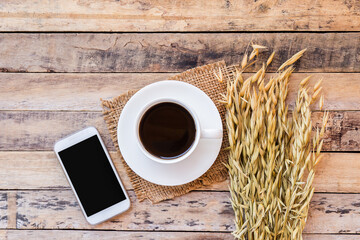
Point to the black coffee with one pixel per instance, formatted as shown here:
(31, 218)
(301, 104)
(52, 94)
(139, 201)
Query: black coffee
(167, 130)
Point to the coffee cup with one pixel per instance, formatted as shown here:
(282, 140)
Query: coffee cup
(168, 130)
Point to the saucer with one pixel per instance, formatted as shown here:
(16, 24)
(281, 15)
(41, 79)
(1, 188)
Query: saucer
(200, 159)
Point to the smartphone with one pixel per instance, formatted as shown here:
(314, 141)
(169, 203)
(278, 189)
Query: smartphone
(92, 175)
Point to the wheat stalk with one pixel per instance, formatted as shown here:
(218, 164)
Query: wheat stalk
(270, 153)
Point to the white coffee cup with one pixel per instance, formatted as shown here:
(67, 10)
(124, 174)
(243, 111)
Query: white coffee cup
(200, 132)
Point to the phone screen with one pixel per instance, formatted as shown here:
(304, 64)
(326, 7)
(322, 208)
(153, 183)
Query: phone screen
(92, 175)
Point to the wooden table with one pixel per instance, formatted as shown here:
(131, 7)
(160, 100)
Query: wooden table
(58, 58)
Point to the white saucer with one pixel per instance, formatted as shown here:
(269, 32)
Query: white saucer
(188, 169)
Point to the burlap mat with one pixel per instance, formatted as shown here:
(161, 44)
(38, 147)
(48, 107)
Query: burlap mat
(203, 78)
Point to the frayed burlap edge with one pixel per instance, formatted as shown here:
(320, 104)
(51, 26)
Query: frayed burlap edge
(203, 78)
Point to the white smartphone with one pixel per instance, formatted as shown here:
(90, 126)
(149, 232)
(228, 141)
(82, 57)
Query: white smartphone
(92, 175)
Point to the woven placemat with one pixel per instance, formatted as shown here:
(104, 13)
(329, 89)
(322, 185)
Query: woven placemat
(203, 78)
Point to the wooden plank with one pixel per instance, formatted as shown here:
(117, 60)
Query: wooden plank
(108, 235)
(196, 211)
(41, 170)
(51, 91)
(129, 235)
(192, 212)
(29, 130)
(11, 210)
(68, 91)
(338, 213)
(327, 52)
(75, 15)
(3, 210)
(338, 172)
(330, 237)
(39, 130)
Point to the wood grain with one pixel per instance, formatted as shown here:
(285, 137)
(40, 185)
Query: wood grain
(330, 237)
(41, 170)
(39, 130)
(337, 213)
(110, 235)
(327, 52)
(192, 212)
(79, 68)
(234, 15)
(3, 210)
(129, 235)
(69, 91)
(196, 211)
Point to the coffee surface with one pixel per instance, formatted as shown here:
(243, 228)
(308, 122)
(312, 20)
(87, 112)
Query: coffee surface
(167, 130)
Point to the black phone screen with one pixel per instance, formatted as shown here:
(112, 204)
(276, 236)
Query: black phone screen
(92, 175)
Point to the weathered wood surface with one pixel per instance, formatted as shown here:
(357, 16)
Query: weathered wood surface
(192, 212)
(3, 210)
(38, 109)
(233, 15)
(129, 235)
(41, 170)
(67, 91)
(327, 52)
(39, 130)
(329, 237)
(29, 130)
(111, 235)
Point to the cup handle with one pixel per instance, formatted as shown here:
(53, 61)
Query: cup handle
(211, 133)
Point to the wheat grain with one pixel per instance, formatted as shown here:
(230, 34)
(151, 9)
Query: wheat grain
(292, 60)
(318, 84)
(219, 76)
(316, 93)
(270, 58)
(244, 61)
(269, 153)
(321, 102)
(254, 53)
(305, 81)
(256, 46)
